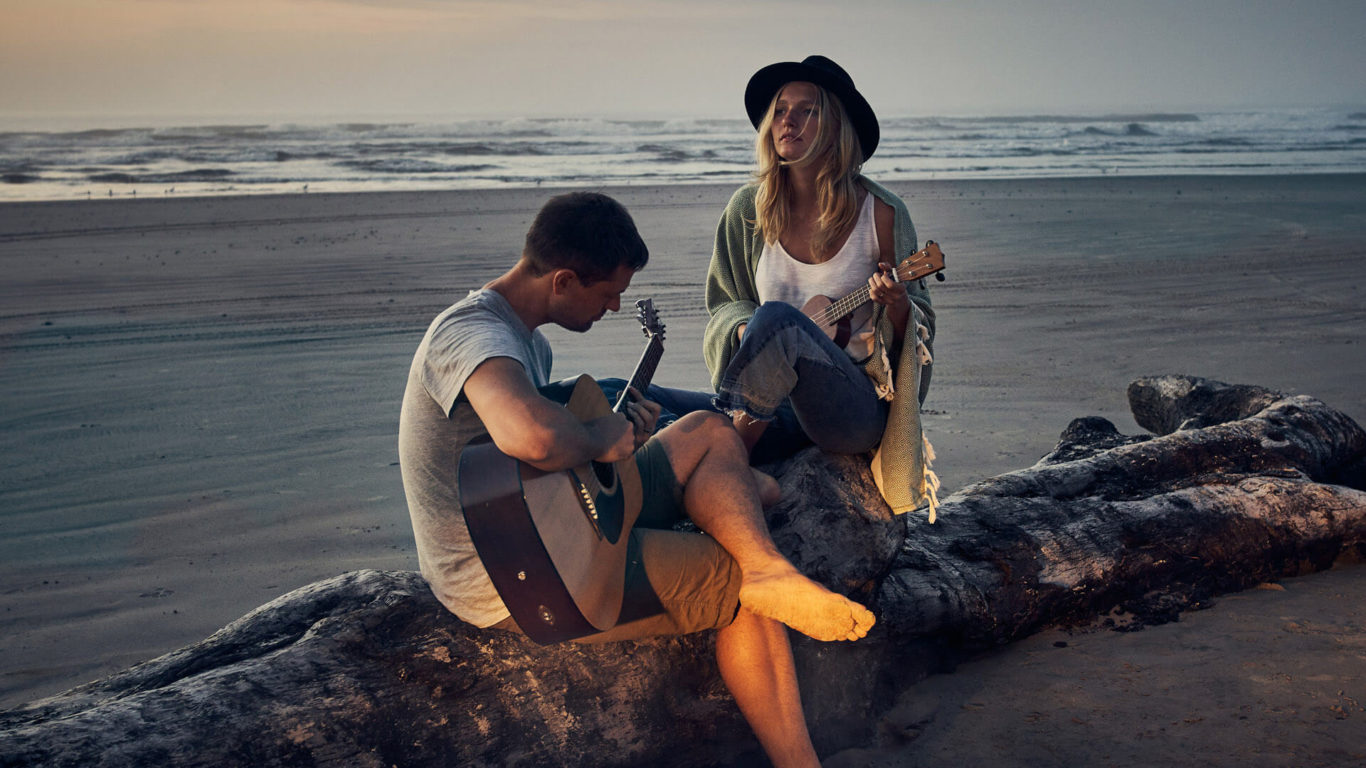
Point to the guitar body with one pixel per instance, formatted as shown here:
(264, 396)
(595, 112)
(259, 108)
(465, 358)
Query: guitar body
(554, 543)
(818, 309)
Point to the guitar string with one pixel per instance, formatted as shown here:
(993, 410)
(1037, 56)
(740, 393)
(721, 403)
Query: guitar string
(857, 299)
(645, 370)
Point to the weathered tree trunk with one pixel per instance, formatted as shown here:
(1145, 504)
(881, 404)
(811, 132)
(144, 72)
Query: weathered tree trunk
(368, 669)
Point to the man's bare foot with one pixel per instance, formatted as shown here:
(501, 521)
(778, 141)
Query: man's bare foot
(783, 594)
(769, 492)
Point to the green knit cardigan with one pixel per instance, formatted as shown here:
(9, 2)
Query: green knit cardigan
(901, 464)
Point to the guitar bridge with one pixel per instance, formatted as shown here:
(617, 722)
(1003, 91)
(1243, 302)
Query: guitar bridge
(587, 502)
(586, 499)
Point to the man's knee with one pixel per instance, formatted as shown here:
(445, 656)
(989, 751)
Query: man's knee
(705, 426)
(695, 435)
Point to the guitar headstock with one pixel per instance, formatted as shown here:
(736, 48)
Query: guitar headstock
(925, 262)
(650, 324)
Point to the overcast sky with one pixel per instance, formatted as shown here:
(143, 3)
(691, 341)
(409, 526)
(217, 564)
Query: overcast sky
(245, 59)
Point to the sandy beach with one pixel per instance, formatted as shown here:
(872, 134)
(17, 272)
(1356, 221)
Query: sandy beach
(200, 399)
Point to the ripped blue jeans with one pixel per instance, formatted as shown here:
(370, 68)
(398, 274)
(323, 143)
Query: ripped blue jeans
(788, 373)
(785, 360)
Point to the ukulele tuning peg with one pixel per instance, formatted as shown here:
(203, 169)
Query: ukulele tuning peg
(939, 276)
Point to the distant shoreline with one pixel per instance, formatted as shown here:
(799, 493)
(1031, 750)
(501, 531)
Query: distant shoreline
(546, 191)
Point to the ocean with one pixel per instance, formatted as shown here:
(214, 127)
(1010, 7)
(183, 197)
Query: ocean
(231, 159)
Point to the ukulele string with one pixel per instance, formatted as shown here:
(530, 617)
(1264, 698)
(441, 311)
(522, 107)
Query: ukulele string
(853, 301)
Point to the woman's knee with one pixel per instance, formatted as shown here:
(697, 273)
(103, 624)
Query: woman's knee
(773, 316)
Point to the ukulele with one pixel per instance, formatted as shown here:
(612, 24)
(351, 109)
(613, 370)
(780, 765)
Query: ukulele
(832, 315)
(554, 543)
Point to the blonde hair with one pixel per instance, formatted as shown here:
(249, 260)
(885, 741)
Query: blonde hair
(835, 152)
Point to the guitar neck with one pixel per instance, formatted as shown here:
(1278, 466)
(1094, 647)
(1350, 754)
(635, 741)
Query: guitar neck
(645, 370)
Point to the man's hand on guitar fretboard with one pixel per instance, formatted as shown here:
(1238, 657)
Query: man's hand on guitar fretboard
(644, 415)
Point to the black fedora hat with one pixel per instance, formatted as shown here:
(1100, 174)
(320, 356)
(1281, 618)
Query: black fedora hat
(828, 75)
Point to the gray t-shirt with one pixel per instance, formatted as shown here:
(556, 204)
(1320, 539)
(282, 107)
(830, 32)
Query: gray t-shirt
(435, 426)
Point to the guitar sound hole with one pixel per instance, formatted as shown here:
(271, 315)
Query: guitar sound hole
(606, 474)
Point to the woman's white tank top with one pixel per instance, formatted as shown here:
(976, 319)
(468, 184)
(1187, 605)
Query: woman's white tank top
(779, 277)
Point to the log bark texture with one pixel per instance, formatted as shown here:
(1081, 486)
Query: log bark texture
(1238, 486)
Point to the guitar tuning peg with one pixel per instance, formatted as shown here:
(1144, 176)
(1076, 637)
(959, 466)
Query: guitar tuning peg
(939, 276)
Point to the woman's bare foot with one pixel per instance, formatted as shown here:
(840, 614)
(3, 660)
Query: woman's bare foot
(750, 430)
(769, 491)
(783, 594)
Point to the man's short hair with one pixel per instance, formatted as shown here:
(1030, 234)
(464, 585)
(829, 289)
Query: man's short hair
(587, 232)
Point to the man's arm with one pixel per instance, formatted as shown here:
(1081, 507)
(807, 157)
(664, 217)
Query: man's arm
(527, 426)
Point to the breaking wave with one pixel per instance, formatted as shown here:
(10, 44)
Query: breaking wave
(524, 151)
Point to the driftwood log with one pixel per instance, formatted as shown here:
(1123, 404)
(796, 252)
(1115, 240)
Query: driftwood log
(1238, 485)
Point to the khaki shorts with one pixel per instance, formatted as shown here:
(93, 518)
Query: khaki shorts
(677, 582)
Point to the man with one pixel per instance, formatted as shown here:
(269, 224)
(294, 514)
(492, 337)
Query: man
(477, 371)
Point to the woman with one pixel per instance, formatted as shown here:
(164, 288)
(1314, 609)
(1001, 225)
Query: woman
(811, 225)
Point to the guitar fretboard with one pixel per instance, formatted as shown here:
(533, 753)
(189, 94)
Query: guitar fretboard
(645, 370)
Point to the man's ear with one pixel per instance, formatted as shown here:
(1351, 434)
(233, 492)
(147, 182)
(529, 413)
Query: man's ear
(561, 278)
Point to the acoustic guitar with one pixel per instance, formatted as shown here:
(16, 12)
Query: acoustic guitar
(832, 315)
(554, 543)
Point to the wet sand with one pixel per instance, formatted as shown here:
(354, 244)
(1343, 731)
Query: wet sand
(200, 396)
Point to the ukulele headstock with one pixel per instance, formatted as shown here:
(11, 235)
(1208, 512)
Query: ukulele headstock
(650, 324)
(925, 262)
